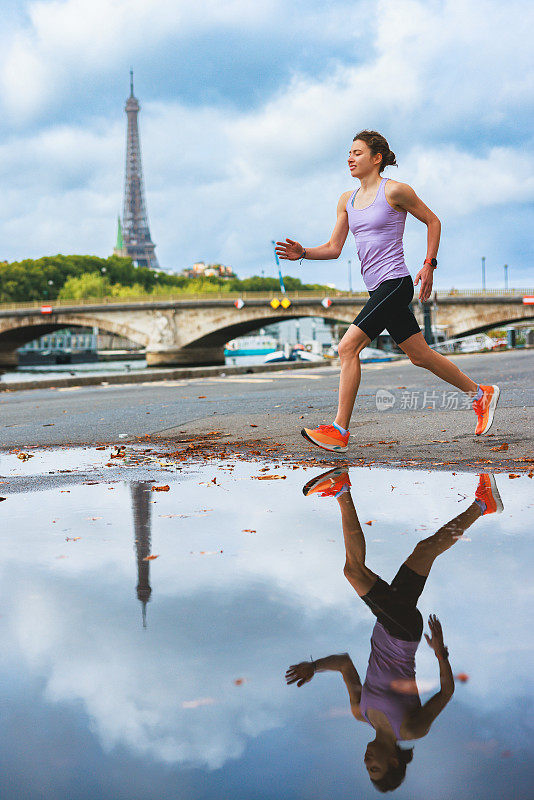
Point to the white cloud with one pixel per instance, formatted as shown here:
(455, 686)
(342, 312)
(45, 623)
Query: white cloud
(67, 40)
(450, 84)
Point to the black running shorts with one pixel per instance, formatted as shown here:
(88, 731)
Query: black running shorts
(395, 604)
(388, 308)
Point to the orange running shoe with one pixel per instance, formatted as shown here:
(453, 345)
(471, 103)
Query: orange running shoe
(327, 437)
(330, 484)
(485, 408)
(488, 494)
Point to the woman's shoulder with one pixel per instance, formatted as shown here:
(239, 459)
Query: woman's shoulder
(396, 190)
(344, 199)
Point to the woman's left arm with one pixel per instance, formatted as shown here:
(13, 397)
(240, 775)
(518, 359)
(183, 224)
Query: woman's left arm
(402, 196)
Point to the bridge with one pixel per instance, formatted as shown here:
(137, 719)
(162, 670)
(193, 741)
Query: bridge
(194, 330)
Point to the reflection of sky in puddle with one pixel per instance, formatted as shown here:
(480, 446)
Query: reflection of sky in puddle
(95, 705)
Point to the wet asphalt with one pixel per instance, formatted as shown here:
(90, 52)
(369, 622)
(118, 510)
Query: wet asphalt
(421, 421)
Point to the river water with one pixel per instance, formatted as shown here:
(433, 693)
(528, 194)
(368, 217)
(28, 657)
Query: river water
(150, 609)
(99, 368)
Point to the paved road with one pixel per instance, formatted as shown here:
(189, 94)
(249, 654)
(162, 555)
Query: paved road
(421, 428)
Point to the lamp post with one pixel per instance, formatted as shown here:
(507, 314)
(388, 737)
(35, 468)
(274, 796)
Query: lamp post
(506, 276)
(483, 273)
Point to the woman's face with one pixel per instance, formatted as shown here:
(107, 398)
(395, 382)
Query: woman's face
(361, 161)
(378, 759)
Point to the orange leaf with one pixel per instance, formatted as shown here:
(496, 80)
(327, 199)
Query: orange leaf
(150, 558)
(503, 446)
(160, 488)
(370, 522)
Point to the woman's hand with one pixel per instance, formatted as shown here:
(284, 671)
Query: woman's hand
(426, 276)
(436, 640)
(289, 250)
(300, 673)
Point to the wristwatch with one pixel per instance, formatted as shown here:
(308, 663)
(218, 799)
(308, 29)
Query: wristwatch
(432, 261)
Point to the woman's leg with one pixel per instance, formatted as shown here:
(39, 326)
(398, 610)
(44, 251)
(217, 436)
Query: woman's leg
(349, 350)
(360, 577)
(427, 550)
(422, 355)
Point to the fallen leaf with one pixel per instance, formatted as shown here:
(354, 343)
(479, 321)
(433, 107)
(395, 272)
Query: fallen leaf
(24, 456)
(160, 488)
(503, 446)
(150, 558)
(248, 530)
(253, 426)
(239, 682)
(513, 475)
(370, 522)
(463, 677)
(269, 477)
(2, 498)
(202, 397)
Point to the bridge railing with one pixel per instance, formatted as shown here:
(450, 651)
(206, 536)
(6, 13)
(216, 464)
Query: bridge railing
(171, 297)
(301, 294)
(483, 292)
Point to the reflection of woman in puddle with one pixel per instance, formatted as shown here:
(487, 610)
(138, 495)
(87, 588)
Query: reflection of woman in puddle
(389, 700)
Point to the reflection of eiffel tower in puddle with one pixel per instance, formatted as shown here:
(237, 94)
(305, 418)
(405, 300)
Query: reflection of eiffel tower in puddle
(141, 514)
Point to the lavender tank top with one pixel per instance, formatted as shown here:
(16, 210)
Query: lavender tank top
(378, 231)
(390, 660)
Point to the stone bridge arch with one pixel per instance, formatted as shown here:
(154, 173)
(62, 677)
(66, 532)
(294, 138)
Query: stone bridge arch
(188, 336)
(18, 331)
(464, 317)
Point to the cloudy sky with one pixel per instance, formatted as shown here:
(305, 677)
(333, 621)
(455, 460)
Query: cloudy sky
(248, 110)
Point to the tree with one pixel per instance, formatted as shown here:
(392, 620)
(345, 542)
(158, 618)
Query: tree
(90, 284)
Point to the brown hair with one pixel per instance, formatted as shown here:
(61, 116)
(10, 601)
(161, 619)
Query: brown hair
(378, 144)
(395, 775)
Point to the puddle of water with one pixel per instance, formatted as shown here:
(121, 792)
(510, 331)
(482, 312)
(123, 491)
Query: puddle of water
(127, 676)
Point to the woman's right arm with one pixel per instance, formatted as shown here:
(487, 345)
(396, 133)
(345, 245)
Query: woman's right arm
(292, 250)
(304, 672)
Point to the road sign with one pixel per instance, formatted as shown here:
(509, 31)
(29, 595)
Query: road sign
(528, 301)
(275, 302)
(326, 302)
(285, 302)
(239, 303)
(46, 309)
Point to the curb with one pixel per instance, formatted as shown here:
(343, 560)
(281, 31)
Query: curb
(151, 376)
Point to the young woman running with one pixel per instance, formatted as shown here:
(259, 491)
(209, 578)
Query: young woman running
(376, 214)
(388, 699)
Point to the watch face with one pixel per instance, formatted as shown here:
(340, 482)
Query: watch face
(433, 262)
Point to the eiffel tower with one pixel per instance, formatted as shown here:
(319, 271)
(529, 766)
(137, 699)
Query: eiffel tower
(141, 513)
(133, 237)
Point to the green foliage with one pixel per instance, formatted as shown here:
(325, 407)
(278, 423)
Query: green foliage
(78, 277)
(90, 284)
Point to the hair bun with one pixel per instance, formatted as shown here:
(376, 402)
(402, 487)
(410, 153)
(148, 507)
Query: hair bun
(391, 161)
